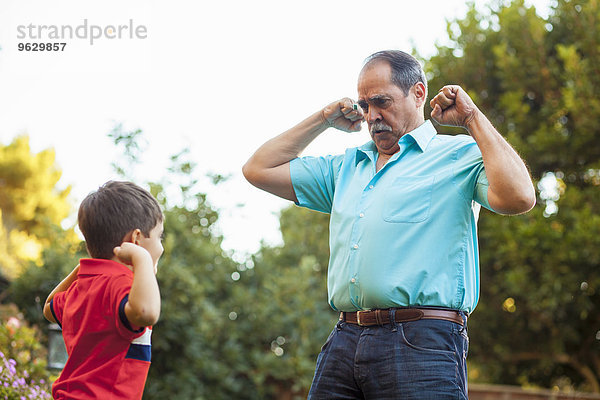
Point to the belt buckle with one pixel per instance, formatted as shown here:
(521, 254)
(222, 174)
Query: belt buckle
(358, 318)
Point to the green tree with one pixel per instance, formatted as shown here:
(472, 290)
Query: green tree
(35, 253)
(35, 250)
(192, 343)
(191, 351)
(30, 289)
(282, 313)
(232, 330)
(538, 318)
(228, 330)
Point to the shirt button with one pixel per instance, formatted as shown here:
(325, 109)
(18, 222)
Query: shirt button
(361, 215)
(355, 247)
(371, 186)
(353, 280)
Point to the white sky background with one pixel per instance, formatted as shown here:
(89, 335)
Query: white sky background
(219, 78)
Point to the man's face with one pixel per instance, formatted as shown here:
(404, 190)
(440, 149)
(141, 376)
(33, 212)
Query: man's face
(388, 112)
(153, 243)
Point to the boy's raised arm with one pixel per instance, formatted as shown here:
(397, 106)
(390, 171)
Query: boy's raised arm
(61, 287)
(143, 306)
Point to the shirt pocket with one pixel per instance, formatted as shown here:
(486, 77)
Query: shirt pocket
(408, 200)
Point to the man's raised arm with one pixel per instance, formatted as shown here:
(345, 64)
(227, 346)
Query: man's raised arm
(268, 168)
(511, 190)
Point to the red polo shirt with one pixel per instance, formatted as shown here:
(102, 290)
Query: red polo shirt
(108, 358)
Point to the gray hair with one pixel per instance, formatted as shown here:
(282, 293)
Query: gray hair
(406, 70)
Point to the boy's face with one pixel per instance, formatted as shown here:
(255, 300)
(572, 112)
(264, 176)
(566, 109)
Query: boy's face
(153, 243)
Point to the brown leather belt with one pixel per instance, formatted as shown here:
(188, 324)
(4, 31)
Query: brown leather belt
(382, 317)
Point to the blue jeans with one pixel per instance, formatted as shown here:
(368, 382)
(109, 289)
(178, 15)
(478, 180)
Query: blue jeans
(424, 359)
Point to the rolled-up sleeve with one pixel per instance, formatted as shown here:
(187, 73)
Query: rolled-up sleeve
(481, 189)
(313, 179)
(470, 173)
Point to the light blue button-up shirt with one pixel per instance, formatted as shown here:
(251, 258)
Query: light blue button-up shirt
(407, 234)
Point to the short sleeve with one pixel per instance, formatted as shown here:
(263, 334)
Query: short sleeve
(314, 179)
(119, 295)
(57, 306)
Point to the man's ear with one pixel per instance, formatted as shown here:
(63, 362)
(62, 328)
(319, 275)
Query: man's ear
(420, 93)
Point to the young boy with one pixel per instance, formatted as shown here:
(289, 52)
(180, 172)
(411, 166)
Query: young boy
(108, 303)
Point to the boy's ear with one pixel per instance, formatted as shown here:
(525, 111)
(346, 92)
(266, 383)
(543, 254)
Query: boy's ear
(133, 237)
(136, 236)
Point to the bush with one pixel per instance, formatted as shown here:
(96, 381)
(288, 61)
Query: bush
(17, 385)
(23, 373)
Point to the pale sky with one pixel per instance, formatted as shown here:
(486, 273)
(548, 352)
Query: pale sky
(218, 78)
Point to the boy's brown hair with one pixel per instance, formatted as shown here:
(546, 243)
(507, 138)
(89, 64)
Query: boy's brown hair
(115, 209)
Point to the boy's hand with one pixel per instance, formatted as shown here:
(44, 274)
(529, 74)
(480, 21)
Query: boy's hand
(131, 254)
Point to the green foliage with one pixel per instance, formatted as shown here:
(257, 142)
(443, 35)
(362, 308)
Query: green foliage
(253, 330)
(131, 143)
(549, 268)
(538, 318)
(32, 210)
(283, 316)
(195, 281)
(228, 330)
(30, 289)
(35, 253)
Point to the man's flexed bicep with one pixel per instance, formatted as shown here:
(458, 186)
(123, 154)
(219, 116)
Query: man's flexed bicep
(275, 180)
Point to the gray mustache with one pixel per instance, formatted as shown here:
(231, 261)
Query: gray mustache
(380, 126)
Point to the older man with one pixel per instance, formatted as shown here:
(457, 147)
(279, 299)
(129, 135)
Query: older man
(403, 270)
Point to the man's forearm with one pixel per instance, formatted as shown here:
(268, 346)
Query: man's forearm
(511, 190)
(288, 145)
(268, 168)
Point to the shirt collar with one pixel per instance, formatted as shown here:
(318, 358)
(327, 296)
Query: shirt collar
(97, 266)
(367, 150)
(421, 135)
